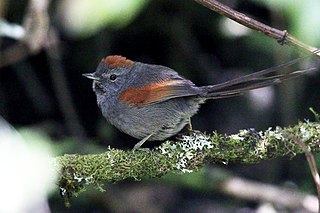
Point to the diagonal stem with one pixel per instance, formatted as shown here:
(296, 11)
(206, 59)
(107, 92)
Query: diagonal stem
(282, 36)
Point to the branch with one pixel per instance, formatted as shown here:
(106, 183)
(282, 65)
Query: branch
(188, 153)
(36, 26)
(215, 179)
(312, 166)
(41, 35)
(282, 36)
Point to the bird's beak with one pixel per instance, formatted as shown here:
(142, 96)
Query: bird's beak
(91, 76)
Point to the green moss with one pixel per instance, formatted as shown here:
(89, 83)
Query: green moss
(189, 153)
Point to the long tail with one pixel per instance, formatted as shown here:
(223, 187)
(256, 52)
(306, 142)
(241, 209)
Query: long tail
(255, 80)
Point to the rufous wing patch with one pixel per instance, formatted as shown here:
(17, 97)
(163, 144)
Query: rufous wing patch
(153, 93)
(115, 61)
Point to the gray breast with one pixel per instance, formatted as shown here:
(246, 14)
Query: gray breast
(163, 119)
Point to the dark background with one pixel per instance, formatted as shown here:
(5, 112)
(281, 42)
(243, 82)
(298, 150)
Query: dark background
(182, 35)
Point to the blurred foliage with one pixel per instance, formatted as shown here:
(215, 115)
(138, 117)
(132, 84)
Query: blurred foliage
(37, 139)
(87, 17)
(303, 17)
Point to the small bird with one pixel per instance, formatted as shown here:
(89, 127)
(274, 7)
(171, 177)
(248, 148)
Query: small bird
(154, 102)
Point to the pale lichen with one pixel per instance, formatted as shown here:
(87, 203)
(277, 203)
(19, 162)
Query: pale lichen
(305, 134)
(186, 154)
(186, 149)
(277, 133)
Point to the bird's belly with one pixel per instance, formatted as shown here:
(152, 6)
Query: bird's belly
(142, 126)
(162, 120)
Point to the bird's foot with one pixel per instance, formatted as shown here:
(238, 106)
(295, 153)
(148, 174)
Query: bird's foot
(140, 143)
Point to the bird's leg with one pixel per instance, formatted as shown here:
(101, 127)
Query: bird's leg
(140, 143)
(189, 125)
(189, 129)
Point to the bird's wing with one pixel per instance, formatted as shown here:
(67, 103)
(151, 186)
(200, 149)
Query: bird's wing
(139, 96)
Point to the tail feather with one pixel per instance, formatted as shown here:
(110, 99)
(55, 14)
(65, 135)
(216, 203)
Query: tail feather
(252, 81)
(263, 72)
(255, 80)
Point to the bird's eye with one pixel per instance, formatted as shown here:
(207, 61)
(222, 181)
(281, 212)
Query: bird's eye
(113, 77)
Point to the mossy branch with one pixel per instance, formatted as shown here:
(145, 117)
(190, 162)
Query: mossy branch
(188, 153)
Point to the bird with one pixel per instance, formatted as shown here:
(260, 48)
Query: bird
(153, 102)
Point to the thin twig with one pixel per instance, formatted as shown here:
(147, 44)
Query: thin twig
(312, 165)
(36, 25)
(252, 190)
(14, 54)
(282, 36)
(41, 35)
(221, 180)
(61, 89)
